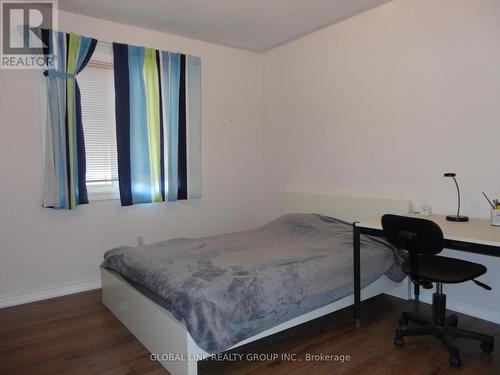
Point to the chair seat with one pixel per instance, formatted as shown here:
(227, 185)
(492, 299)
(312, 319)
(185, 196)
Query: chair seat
(434, 268)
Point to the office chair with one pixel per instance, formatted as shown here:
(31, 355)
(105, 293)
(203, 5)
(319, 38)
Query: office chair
(423, 239)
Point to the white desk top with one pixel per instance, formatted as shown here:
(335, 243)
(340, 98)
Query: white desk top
(478, 231)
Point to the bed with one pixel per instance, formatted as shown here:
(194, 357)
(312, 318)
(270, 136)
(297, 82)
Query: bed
(157, 324)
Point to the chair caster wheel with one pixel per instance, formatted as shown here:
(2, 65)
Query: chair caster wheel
(487, 347)
(455, 359)
(398, 341)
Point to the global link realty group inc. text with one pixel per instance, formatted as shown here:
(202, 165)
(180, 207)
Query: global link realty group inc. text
(251, 357)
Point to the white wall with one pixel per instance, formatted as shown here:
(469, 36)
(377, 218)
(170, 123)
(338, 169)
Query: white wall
(41, 248)
(382, 104)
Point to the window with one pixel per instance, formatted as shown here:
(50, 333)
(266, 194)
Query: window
(96, 83)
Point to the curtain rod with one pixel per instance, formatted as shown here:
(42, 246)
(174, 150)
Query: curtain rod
(110, 44)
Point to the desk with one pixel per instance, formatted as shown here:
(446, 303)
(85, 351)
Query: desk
(475, 236)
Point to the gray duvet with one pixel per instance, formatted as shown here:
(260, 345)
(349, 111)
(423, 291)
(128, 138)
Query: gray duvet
(230, 287)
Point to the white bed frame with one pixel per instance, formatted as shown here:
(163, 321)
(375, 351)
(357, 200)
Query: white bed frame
(163, 335)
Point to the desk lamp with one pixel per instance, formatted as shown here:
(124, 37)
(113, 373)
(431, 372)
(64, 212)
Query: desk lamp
(456, 217)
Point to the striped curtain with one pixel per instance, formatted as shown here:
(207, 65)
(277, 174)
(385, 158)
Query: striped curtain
(158, 124)
(64, 175)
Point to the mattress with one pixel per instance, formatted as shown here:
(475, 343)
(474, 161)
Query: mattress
(227, 288)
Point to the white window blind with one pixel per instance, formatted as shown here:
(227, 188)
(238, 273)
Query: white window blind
(96, 83)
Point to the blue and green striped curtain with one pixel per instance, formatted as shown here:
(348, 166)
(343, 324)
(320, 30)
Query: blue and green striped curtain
(64, 175)
(158, 124)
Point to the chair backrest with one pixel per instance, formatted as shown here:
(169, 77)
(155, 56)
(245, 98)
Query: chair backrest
(417, 236)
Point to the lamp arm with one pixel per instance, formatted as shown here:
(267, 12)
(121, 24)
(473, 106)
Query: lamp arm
(458, 192)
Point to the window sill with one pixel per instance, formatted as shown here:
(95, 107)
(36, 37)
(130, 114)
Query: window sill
(103, 196)
(103, 192)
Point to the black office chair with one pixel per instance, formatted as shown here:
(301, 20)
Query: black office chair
(422, 239)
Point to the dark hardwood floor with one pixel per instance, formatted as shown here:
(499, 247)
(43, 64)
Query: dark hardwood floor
(76, 335)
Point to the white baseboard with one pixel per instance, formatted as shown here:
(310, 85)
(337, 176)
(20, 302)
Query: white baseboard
(464, 308)
(402, 291)
(19, 299)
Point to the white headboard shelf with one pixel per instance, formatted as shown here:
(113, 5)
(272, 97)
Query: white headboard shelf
(342, 207)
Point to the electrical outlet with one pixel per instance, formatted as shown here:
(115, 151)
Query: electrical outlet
(140, 241)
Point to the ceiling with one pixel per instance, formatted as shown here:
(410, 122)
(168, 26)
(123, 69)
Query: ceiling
(255, 25)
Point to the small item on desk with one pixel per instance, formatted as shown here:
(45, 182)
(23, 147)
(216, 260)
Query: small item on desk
(495, 217)
(426, 210)
(488, 199)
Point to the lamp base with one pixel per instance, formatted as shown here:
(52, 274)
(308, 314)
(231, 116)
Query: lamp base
(458, 218)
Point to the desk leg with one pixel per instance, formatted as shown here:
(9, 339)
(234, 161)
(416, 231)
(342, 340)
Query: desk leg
(357, 276)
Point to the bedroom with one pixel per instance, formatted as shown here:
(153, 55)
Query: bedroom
(375, 100)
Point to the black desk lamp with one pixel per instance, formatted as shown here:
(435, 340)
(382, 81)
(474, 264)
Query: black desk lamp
(456, 217)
